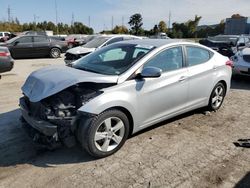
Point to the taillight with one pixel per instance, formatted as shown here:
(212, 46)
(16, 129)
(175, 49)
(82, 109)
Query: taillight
(4, 54)
(230, 63)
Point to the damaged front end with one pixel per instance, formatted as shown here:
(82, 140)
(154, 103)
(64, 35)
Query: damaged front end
(53, 120)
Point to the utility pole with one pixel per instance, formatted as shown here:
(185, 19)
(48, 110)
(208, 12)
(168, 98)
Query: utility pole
(8, 11)
(73, 19)
(112, 23)
(56, 17)
(89, 21)
(169, 20)
(35, 17)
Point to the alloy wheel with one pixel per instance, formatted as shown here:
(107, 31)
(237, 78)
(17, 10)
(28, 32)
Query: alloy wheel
(109, 134)
(217, 97)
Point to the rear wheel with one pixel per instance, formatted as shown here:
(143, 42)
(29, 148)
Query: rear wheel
(217, 97)
(55, 52)
(105, 134)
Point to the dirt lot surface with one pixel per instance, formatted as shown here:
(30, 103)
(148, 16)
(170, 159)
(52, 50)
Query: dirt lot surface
(193, 150)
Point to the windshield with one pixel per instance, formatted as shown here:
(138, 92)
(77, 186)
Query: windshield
(112, 60)
(95, 43)
(11, 40)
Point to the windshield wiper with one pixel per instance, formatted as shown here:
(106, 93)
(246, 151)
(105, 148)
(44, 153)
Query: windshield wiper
(86, 69)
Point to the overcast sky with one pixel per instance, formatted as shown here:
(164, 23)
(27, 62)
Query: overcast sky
(102, 11)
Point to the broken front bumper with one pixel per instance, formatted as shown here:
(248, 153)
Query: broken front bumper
(46, 128)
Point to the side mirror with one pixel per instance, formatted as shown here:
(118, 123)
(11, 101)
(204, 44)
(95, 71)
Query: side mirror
(151, 72)
(16, 43)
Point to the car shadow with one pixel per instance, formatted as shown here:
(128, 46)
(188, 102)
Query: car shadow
(244, 182)
(17, 148)
(240, 82)
(168, 121)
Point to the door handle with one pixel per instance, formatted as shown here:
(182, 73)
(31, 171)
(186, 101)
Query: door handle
(183, 78)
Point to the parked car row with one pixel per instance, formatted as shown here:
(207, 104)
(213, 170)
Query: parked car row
(96, 43)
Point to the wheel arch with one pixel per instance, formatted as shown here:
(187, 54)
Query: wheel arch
(129, 116)
(224, 83)
(56, 46)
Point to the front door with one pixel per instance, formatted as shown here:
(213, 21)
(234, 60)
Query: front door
(22, 47)
(159, 98)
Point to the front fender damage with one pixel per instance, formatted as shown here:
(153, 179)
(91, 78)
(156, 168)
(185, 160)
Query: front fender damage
(60, 110)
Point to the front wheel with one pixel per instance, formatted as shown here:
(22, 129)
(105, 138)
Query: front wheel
(217, 97)
(105, 134)
(55, 52)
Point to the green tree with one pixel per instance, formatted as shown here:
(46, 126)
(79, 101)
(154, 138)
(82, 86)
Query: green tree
(187, 29)
(155, 30)
(135, 22)
(162, 27)
(120, 30)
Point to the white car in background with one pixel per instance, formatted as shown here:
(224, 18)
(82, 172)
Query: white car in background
(242, 62)
(103, 40)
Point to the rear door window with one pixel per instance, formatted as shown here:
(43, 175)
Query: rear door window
(40, 39)
(196, 55)
(24, 40)
(117, 39)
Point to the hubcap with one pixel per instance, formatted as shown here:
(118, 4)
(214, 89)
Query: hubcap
(55, 52)
(217, 97)
(109, 134)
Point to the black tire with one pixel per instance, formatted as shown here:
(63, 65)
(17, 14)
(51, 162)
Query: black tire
(55, 52)
(91, 127)
(213, 105)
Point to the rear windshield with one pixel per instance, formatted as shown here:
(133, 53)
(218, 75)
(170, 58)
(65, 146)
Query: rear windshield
(95, 43)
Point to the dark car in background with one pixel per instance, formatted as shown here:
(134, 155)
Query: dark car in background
(35, 46)
(6, 61)
(226, 45)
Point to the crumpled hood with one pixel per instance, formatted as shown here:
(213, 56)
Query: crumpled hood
(53, 79)
(80, 50)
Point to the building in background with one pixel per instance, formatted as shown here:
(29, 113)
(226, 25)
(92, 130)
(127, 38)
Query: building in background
(237, 25)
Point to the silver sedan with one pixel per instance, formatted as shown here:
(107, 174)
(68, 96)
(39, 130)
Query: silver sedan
(121, 89)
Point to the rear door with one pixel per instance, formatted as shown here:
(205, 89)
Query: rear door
(22, 47)
(201, 76)
(41, 46)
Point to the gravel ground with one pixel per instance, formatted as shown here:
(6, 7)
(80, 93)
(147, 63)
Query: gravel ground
(192, 150)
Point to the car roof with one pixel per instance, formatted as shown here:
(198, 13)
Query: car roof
(117, 35)
(154, 42)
